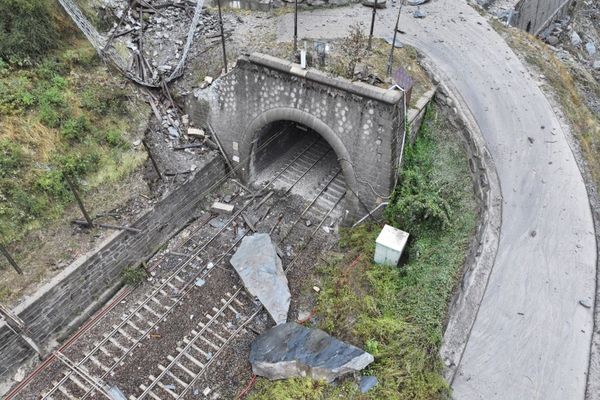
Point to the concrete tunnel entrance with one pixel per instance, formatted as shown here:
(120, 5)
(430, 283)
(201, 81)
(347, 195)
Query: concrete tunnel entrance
(296, 159)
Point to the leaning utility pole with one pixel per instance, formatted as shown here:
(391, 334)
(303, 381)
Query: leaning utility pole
(295, 29)
(79, 201)
(372, 25)
(391, 58)
(11, 260)
(222, 35)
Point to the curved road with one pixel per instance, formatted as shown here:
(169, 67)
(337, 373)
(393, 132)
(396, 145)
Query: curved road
(531, 338)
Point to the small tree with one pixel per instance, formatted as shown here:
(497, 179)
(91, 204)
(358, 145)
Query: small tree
(353, 49)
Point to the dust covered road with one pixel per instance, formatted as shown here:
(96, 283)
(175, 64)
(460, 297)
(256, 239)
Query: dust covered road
(531, 338)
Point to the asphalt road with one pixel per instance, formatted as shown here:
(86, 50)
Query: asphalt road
(531, 338)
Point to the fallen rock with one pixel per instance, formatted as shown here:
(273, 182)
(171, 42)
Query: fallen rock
(290, 350)
(590, 47)
(575, 39)
(367, 383)
(371, 3)
(259, 266)
(419, 13)
(552, 40)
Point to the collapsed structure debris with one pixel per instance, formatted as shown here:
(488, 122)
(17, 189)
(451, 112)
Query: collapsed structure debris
(259, 266)
(290, 350)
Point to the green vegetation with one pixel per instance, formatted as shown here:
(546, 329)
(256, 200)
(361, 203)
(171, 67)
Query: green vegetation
(133, 276)
(398, 314)
(62, 114)
(29, 29)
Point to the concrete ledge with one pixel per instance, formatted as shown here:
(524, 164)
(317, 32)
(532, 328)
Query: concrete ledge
(358, 88)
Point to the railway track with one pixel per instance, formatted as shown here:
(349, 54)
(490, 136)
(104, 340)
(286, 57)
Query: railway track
(230, 313)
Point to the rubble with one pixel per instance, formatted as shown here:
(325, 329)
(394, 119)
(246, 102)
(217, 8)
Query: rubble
(367, 383)
(222, 208)
(290, 350)
(259, 266)
(575, 39)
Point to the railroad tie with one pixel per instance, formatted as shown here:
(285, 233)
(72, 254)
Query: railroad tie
(181, 366)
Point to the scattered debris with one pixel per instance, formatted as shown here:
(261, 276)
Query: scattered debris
(199, 282)
(367, 383)
(259, 266)
(398, 44)
(222, 208)
(290, 350)
(374, 3)
(575, 39)
(316, 289)
(585, 303)
(419, 13)
(196, 132)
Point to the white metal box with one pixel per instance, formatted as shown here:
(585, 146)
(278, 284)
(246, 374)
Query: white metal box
(390, 245)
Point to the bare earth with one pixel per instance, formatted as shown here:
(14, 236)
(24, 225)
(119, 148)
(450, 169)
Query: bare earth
(531, 338)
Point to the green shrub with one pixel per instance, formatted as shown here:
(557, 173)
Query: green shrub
(53, 106)
(53, 183)
(103, 100)
(28, 29)
(421, 200)
(12, 158)
(78, 164)
(133, 276)
(16, 94)
(74, 129)
(115, 139)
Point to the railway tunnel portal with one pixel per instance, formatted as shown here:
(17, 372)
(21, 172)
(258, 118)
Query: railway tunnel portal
(267, 111)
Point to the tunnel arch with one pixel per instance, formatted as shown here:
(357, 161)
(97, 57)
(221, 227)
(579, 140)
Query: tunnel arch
(253, 130)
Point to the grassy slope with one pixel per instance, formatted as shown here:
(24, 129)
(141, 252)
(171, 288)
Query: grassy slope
(398, 314)
(67, 113)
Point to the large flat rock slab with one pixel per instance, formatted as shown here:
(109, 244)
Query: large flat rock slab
(290, 350)
(259, 266)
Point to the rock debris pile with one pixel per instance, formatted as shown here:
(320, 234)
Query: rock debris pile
(289, 350)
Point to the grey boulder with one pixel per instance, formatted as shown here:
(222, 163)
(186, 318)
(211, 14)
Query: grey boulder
(257, 263)
(291, 350)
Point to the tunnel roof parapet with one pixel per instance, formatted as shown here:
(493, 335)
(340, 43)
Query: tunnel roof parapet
(389, 96)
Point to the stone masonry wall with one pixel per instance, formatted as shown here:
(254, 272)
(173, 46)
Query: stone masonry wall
(362, 123)
(74, 293)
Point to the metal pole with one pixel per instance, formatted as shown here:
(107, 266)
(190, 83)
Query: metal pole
(222, 35)
(11, 261)
(154, 164)
(79, 201)
(372, 25)
(295, 29)
(391, 58)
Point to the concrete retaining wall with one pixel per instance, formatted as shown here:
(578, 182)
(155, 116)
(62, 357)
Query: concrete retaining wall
(57, 308)
(535, 15)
